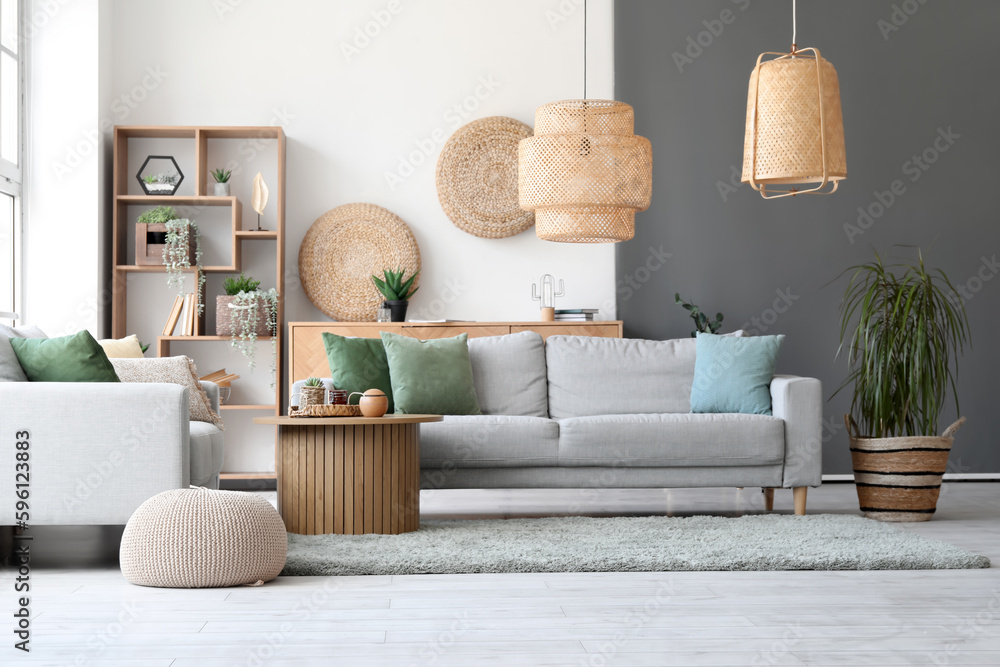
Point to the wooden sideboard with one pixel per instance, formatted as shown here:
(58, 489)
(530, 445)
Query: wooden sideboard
(307, 356)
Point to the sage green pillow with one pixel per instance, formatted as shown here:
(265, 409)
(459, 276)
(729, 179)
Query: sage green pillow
(358, 364)
(431, 376)
(76, 358)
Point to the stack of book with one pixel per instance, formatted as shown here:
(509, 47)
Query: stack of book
(184, 319)
(576, 314)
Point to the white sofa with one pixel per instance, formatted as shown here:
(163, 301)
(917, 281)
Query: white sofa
(98, 450)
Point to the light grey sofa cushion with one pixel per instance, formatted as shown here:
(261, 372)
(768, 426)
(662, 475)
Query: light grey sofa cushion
(10, 368)
(486, 441)
(509, 373)
(207, 450)
(674, 440)
(602, 376)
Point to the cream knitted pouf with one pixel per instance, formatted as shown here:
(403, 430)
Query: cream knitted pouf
(198, 538)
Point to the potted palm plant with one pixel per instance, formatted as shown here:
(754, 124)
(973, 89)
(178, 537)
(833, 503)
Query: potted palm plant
(902, 328)
(397, 292)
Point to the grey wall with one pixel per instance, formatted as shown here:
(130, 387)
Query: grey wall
(734, 252)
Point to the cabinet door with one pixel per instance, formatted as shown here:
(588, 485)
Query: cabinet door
(596, 329)
(426, 333)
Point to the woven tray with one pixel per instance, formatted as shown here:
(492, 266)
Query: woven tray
(477, 178)
(341, 252)
(326, 411)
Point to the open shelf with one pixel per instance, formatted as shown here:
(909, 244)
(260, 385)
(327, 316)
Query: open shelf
(123, 217)
(202, 200)
(162, 268)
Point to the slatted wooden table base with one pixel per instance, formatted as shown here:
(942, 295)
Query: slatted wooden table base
(347, 476)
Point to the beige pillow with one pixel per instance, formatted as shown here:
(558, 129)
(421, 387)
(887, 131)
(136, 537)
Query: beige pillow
(178, 370)
(122, 348)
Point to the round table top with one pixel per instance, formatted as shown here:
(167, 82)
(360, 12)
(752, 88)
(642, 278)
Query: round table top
(348, 421)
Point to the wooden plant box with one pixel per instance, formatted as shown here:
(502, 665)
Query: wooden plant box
(150, 242)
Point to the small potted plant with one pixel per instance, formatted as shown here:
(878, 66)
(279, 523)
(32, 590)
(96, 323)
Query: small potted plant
(245, 313)
(313, 393)
(701, 321)
(902, 329)
(151, 236)
(221, 177)
(397, 292)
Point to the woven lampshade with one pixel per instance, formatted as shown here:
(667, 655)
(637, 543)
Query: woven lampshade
(795, 128)
(585, 173)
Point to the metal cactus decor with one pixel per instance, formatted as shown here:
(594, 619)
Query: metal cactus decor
(546, 296)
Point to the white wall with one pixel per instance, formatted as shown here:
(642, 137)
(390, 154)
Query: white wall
(352, 118)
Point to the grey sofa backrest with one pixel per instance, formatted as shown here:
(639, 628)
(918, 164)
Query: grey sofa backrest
(606, 376)
(509, 374)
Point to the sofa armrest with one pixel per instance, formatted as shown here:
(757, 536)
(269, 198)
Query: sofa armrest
(97, 450)
(799, 402)
(212, 390)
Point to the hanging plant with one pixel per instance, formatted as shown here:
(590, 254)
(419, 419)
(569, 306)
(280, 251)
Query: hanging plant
(177, 256)
(253, 312)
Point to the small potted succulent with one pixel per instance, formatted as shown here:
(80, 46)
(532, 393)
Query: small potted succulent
(397, 292)
(221, 177)
(313, 393)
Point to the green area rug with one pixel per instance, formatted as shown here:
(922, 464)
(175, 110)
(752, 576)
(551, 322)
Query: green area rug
(629, 544)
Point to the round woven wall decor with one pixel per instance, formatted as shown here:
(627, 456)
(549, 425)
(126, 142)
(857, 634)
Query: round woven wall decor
(477, 178)
(342, 250)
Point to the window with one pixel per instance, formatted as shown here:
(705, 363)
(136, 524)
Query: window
(11, 132)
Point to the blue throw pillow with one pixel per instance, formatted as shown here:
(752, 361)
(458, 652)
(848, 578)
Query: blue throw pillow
(734, 374)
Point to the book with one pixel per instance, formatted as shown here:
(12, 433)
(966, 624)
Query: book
(577, 311)
(175, 314)
(187, 320)
(584, 317)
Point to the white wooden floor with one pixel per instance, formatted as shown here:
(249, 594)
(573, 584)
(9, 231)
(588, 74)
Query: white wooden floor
(86, 614)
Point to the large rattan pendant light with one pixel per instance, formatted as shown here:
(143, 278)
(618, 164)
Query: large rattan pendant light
(584, 173)
(794, 141)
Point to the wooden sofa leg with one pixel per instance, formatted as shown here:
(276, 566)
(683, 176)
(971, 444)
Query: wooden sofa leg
(768, 499)
(800, 499)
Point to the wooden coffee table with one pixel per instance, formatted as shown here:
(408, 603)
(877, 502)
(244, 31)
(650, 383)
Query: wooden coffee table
(349, 475)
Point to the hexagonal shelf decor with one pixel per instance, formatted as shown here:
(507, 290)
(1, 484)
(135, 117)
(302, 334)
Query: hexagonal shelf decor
(160, 175)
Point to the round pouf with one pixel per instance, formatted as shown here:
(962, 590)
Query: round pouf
(199, 538)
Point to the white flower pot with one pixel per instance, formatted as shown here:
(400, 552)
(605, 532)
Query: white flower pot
(222, 189)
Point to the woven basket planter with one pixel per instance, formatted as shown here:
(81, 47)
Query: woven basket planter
(899, 479)
(225, 321)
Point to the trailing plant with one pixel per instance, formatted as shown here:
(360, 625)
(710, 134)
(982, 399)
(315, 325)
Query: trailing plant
(222, 175)
(902, 328)
(246, 314)
(243, 283)
(314, 382)
(394, 288)
(701, 321)
(177, 259)
(157, 216)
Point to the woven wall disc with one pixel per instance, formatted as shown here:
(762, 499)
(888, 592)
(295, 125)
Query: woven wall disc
(477, 178)
(342, 250)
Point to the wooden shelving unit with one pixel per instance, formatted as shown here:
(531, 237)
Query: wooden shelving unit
(122, 200)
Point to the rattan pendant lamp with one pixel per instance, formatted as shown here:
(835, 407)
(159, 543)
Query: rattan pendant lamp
(794, 141)
(584, 172)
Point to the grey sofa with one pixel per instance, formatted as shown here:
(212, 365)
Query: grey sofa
(98, 450)
(579, 412)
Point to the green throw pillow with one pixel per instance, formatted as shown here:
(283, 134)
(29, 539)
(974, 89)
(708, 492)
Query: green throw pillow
(734, 374)
(358, 364)
(76, 358)
(431, 376)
